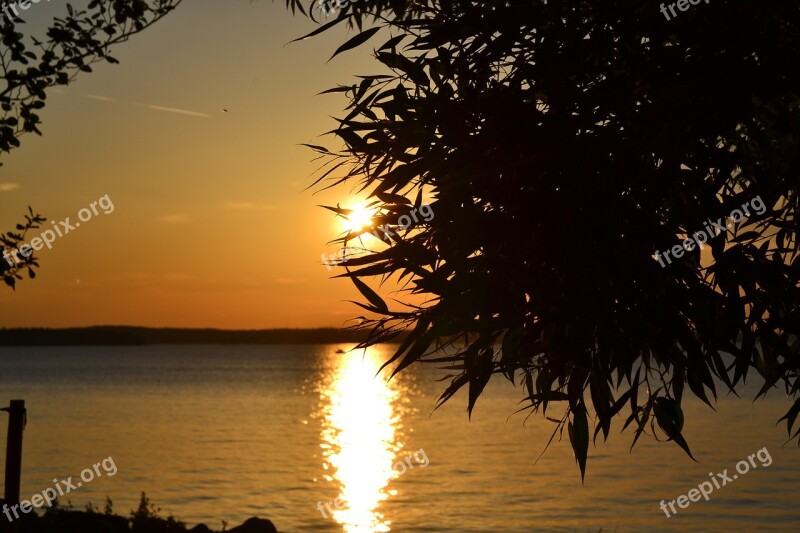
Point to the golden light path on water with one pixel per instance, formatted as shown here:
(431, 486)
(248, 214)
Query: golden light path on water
(361, 419)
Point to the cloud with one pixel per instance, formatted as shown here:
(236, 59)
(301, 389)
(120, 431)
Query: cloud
(150, 106)
(177, 218)
(101, 98)
(8, 187)
(290, 281)
(249, 206)
(173, 110)
(180, 278)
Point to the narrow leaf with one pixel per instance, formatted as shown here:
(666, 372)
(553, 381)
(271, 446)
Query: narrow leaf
(359, 39)
(369, 294)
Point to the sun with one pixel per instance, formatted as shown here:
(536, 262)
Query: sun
(360, 217)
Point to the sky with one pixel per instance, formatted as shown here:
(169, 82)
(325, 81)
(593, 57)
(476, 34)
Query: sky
(211, 226)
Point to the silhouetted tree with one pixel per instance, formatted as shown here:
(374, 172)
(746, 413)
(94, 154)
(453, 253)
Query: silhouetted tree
(564, 145)
(30, 65)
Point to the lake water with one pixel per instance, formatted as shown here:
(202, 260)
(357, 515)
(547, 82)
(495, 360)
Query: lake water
(217, 433)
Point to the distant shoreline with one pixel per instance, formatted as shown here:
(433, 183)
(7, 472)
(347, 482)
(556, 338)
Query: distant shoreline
(139, 336)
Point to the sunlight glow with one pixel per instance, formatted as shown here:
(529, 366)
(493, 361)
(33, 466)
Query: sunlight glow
(359, 440)
(360, 218)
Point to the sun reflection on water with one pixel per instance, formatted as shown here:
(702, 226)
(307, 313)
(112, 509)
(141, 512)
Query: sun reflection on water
(361, 421)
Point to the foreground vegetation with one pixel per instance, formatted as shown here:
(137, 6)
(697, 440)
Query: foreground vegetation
(145, 519)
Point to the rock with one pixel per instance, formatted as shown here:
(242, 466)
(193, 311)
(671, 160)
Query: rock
(255, 525)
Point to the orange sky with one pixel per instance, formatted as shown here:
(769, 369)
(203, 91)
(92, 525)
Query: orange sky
(211, 227)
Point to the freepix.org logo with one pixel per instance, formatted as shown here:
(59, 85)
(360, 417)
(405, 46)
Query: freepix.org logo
(48, 236)
(714, 229)
(61, 488)
(721, 479)
(22, 4)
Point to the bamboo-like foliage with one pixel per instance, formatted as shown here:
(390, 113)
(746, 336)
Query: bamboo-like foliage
(563, 144)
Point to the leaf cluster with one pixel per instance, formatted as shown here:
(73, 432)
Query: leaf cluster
(73, 43)
(563, 145)
(30, 66)
(13, 240)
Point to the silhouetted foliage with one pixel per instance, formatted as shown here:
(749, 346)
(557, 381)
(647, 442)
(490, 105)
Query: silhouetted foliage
(74, 43)
(30, 65)
(563, 144)
(11, 266)
(145, 519)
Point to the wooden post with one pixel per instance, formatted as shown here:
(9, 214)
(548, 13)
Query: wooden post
(16, 423)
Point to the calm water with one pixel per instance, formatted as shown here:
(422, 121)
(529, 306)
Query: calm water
(217, 433)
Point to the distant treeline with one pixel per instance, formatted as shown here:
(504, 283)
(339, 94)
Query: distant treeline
(129, 335)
